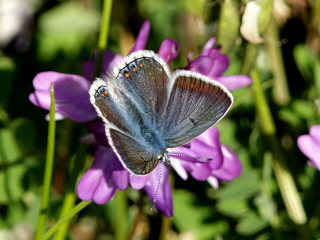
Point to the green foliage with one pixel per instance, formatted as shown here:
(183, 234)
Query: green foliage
(63, 34)
(191, 216)
(7, 68)
(65, 29)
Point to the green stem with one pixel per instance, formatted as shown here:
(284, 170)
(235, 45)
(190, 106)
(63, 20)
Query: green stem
(122, 216)
(165, 228)
(250, 58)
(281, 90)
(74, 211)
(284, 178)
(104, 33)
(47, 182)
(317, 76)
(68, 204)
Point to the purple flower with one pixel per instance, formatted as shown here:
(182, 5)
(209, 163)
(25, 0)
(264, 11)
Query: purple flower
(206, 159)
(71, 93)
(213, 64)
(105, 177)
(310, 145)
(169, 50)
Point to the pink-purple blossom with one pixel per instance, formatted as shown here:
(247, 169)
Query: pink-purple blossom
(309, 144)
(71, 93)
(206, 158)
(213, 63)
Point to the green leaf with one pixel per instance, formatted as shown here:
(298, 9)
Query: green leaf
(7, 68)
(16, 213)
(66, 28)
(196, 218)
(305, 61)
(227, 132)
(241, 188)
(304, 109)
(11, 188)
(9, 148)
(233, 207)
(24, 132)
(251, 224)
(267, 207)
(287, 115)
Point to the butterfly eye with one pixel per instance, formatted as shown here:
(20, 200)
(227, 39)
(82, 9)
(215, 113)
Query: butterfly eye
(102, 92)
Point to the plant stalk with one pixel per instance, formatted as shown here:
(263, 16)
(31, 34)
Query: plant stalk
(47, 180)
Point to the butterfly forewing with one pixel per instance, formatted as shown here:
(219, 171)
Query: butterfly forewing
(115, 107)
(196, 103)
(145, 80)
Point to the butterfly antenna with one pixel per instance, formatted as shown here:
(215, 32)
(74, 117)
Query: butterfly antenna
(158, 186)
(181, 155)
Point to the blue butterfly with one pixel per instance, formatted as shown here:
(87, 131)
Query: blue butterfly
(146, 108)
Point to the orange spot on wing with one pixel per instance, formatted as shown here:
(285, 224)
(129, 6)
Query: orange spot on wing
(127, 75)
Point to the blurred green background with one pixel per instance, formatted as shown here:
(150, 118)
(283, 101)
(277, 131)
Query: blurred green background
(60, 35)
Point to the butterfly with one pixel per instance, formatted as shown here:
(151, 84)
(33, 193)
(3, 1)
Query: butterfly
(147, 108)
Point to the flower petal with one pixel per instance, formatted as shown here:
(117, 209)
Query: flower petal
(97, 184)
(169, 49)
(221, 63)
(315, 133)
(178, 167)
(201, 171)
(89, 183)
(201, 65)
(213, 181)
(234, 82)
(209, 44)
(120, 176)
(138, 182)
(231, 167)
(98, 129)
(164, 195)
(250, 23)
(103, 192)
(142, 38)
(310, 146)
(71, 93)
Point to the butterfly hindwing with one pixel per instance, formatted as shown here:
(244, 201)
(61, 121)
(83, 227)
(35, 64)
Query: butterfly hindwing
(130, 152)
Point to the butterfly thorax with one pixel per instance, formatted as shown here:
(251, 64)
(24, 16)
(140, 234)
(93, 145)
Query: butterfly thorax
(152, 140)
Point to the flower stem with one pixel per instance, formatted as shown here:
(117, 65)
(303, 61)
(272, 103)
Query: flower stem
(281, 90)
(165, 228)
(47, 180)
(104, 33)
(74, 211)
(122, 216)
(68, 203)
(317, 76)
(284, 178)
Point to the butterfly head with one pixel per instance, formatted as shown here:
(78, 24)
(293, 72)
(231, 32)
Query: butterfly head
(164, 157)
